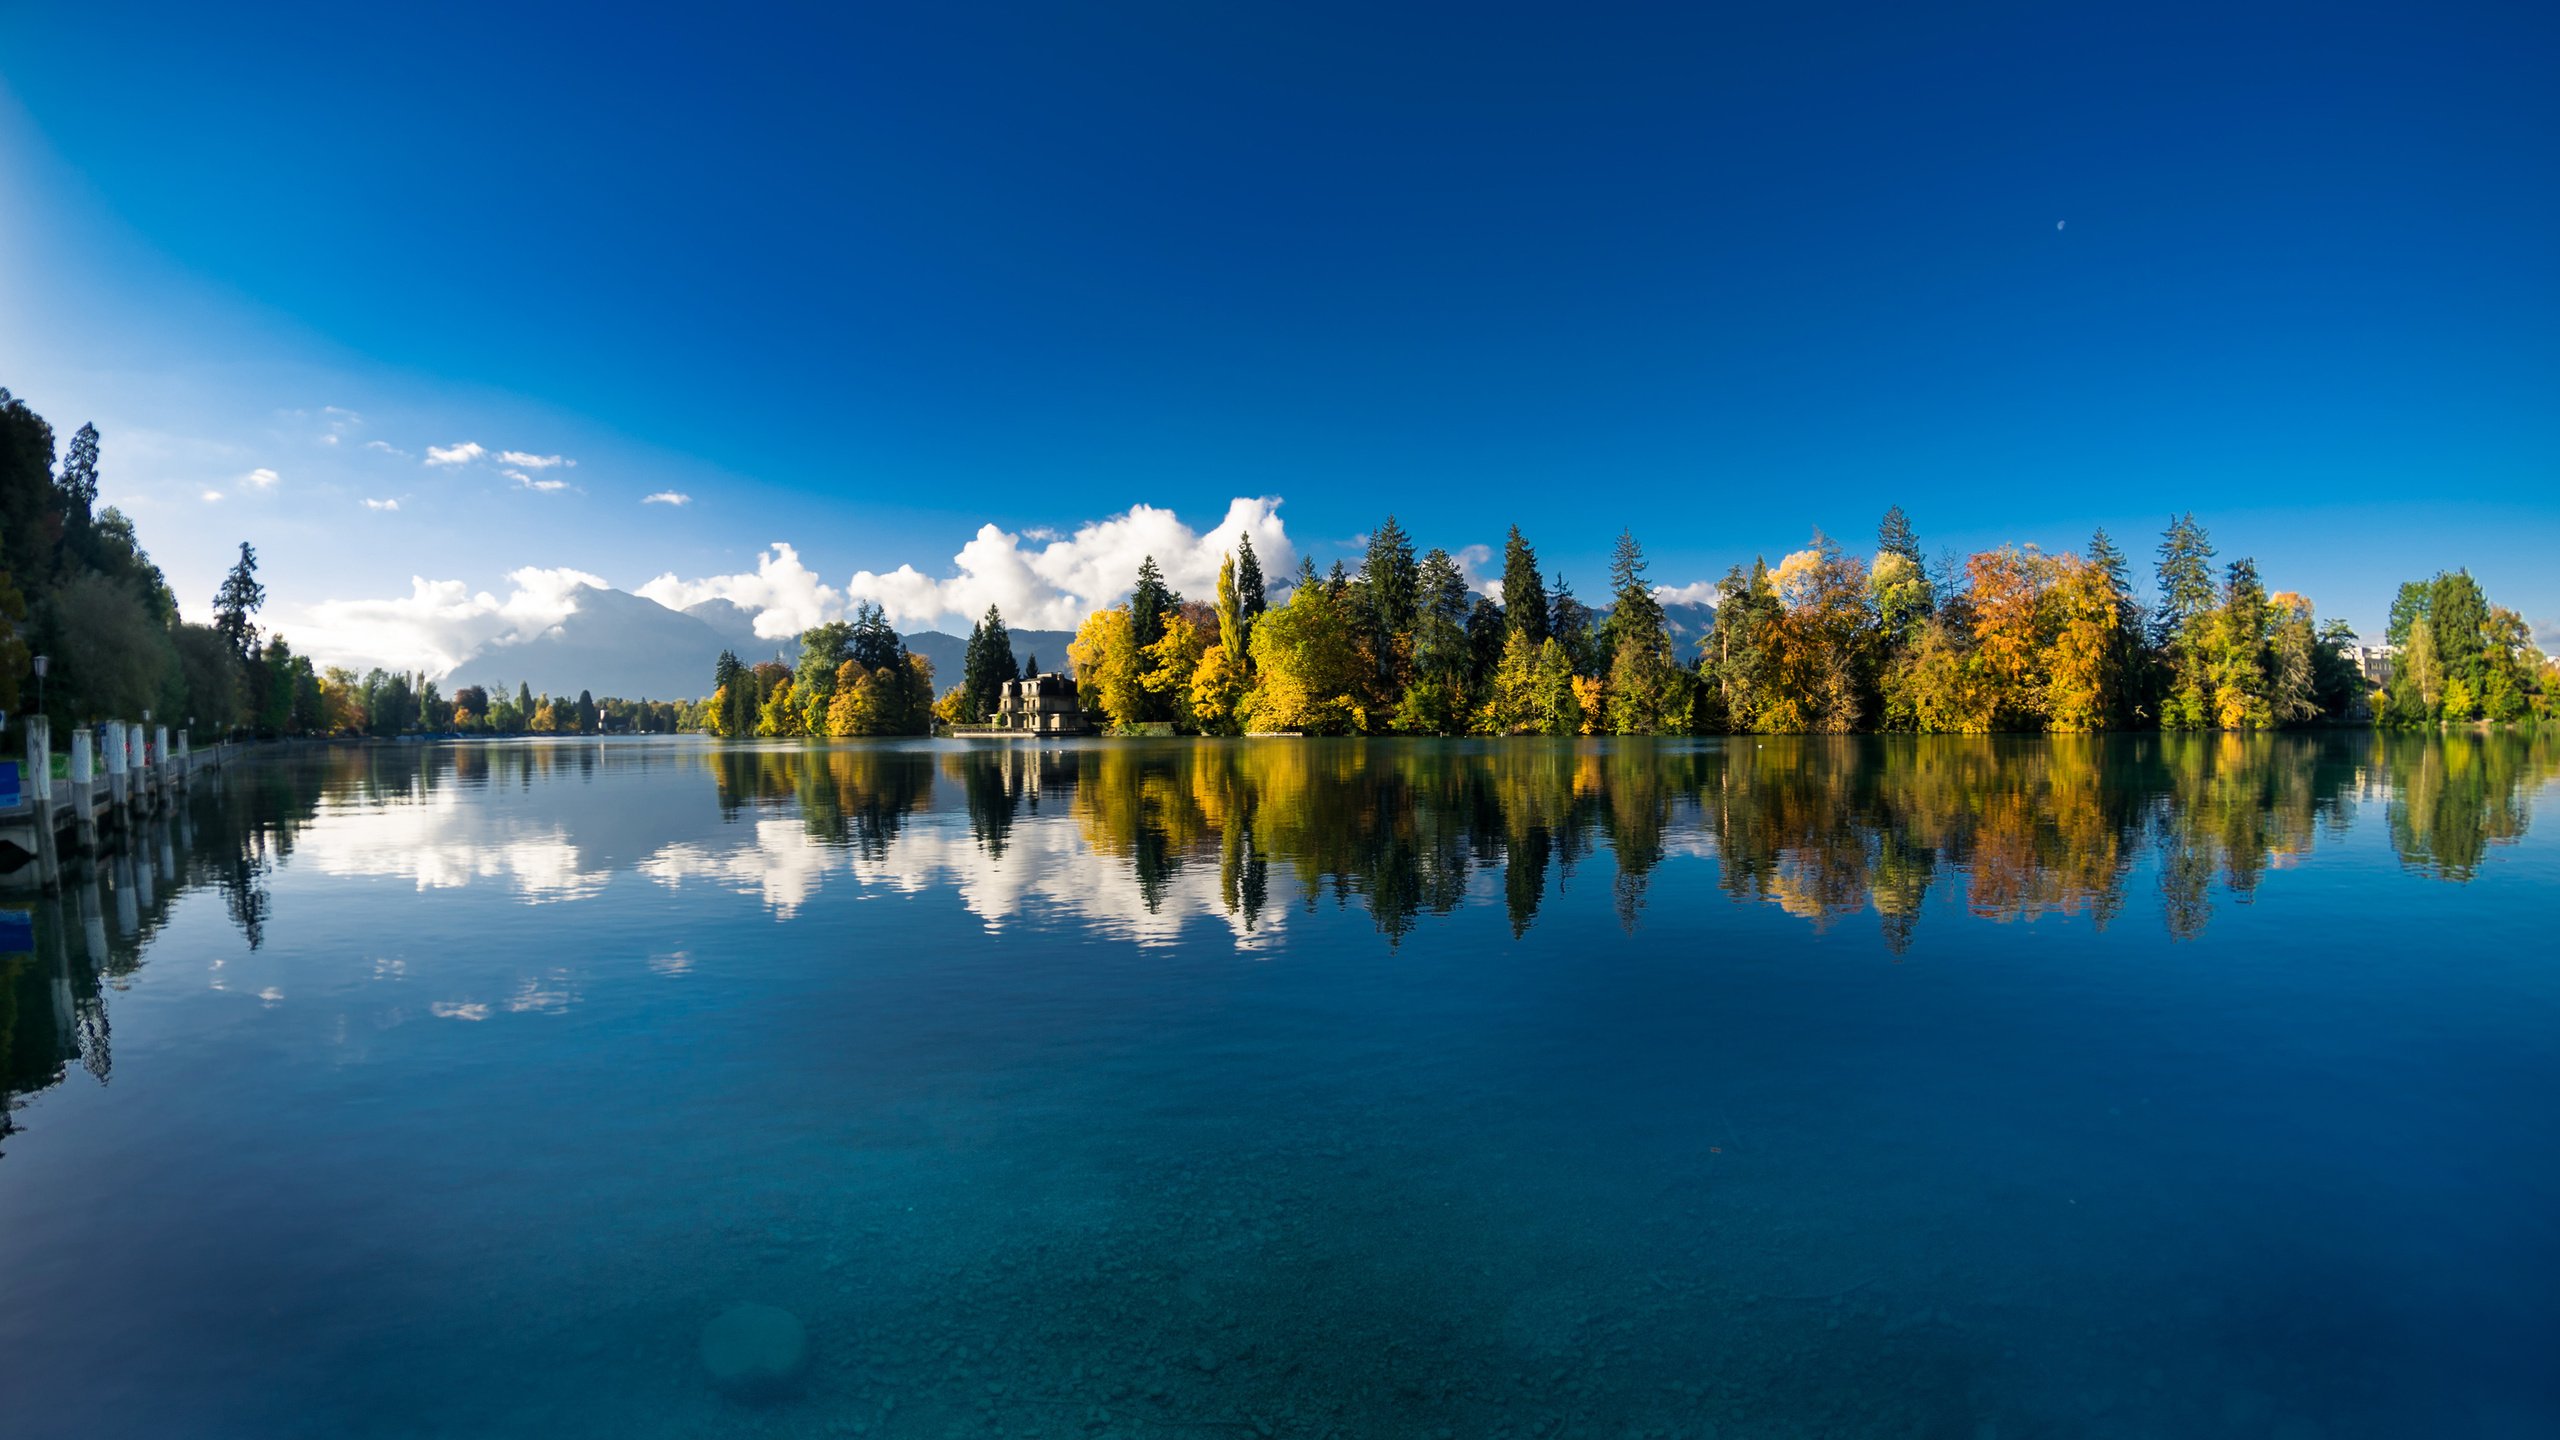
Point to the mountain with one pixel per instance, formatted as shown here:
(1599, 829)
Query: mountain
(633, 648)
(613, 643)
(1689, 621)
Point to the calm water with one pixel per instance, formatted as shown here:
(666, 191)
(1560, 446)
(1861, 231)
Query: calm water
(2133, 1088)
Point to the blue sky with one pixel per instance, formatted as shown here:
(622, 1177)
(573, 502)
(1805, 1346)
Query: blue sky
(864, 280)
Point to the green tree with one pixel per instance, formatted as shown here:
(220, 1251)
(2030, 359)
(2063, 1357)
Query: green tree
(1524, 594)
(2181, 626)
(987, 665)
(1149, 603)
(1392, 586)
(2236, 652)
(237, 601)
(1903, 595)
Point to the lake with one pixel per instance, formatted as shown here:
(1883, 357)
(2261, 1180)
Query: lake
(2144, 1086)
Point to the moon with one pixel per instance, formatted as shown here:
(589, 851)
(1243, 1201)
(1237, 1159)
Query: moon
(2058, 224)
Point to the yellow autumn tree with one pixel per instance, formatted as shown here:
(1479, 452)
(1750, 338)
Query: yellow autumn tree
(1108, 667)
(2080, 679)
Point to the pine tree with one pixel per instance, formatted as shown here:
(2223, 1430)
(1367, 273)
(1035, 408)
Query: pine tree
(1904, 596)
(2181, 626)
(79, 480)
(987, 665)
(1148, 605)
(1250, 590)
(1644, 694)
(1569, 624)
(1894, 537)
(1392, 586)
(1524, 594)
(237, 600)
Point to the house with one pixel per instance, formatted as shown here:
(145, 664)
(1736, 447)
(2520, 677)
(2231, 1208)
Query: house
(1040, 705)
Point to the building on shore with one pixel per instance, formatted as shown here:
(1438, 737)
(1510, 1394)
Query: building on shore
(1039, 705)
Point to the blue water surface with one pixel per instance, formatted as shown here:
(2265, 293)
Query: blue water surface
(2140, 1087)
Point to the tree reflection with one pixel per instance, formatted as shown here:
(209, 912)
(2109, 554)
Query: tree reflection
(1824, 828)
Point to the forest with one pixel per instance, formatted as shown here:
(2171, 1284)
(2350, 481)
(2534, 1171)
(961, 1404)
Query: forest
(2014, 639)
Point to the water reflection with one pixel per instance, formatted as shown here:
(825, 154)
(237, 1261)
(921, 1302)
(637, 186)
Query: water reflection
(1476, 1088)
(1145, 842)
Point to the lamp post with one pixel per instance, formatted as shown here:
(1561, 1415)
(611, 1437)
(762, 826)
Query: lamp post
(43, 663)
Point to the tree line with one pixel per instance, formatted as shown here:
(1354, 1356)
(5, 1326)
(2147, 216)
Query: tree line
(853, 678)
(2011, 639)
(77, 588)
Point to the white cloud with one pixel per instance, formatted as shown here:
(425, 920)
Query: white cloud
(788, 594)
(667, 497)
(261, 478)
(439, 623)
(1471, 562)
(386, 448)
(212, 495)
(462, 454)
(1698, 592)
(382, 504)
(1057, 584)
(529, 483)
(526, 460)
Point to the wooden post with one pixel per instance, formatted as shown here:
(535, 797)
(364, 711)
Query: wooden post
(40, 800)
(84, 783)
(119, 778)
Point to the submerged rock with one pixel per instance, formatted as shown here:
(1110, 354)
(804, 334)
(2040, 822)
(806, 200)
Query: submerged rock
(755, 1352)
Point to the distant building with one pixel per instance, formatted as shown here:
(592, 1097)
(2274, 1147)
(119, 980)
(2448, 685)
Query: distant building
(2372, 661)
(1040, 705)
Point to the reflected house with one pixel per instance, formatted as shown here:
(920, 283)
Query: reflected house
(1040, 705)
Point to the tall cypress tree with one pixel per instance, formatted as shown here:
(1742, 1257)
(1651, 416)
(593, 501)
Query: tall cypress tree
(1524, 594)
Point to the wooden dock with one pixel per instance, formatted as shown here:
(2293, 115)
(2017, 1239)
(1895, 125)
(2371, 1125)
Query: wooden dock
(117, 772)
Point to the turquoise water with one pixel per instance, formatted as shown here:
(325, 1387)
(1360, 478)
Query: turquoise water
(2146, 1087)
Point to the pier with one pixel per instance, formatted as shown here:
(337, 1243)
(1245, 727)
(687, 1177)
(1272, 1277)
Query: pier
(116, 772)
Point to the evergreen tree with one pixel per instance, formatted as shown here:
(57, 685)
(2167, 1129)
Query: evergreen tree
(1569, 624)
(1894, 537)
(1486, 632)
(2236, 653)
(1524, 594)
(1149, 603)
(1904, 596)
(987, 666)
(2181, 626)
(79, 481)
(1250, 590)
(1647, 692)
(2127, 660)
(1392, 586)
(237, 600)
